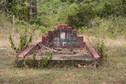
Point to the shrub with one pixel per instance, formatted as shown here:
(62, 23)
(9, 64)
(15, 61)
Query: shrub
(44, 30)
(101, 49)
(23, 43)
(25, 38)
(44, 61)
(110, 7)
(80, 15)
(21, 11)
(105, 9)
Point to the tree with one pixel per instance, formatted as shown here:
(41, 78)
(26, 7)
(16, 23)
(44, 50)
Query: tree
(32, 10)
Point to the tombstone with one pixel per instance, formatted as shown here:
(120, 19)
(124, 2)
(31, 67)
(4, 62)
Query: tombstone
(64, 37)
(66, 46)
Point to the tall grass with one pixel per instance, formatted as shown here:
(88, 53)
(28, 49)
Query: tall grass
(111, 27)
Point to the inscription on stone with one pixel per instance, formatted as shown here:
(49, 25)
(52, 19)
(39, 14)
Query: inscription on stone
(63, 36)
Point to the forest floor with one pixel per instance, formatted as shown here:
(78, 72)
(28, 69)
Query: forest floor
(113, 72)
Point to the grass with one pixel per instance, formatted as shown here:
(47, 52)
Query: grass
(111, 27)
(113, 72)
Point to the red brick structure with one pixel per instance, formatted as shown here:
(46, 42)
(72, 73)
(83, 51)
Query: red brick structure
(67, 48)
(64, 37)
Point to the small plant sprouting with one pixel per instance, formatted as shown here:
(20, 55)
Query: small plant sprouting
(50, 54)
(12, 43)
(34, 56)
(44, 61)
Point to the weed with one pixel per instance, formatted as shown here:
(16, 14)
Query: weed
(34, 56)
(23, 43)
(44, 61)
(24, 40)
(123, 82)
(12, 43)
(101, 49)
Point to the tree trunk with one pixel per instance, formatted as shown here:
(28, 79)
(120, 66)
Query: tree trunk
(32, 10)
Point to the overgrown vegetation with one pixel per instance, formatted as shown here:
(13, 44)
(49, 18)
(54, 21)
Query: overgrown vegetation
(24, 40)
(101, 50)
(94, 18)
(112, 73)
(99, 15)
(17, 8)
(34, 63)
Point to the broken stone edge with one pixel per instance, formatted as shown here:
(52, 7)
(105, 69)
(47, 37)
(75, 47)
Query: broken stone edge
(61, 63)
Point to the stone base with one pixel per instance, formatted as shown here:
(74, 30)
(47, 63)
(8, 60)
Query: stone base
(58, 59)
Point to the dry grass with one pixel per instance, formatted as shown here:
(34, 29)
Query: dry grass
(113, 72)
